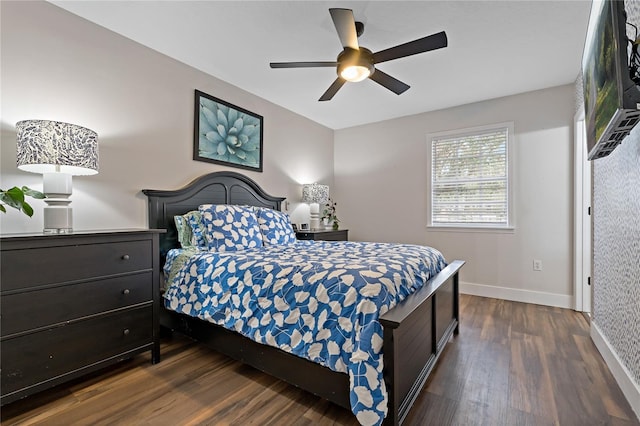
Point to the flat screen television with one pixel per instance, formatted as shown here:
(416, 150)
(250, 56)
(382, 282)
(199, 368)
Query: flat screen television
(611, 98)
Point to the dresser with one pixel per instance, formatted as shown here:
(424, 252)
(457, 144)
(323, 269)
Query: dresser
(324, 235)
(74, 303)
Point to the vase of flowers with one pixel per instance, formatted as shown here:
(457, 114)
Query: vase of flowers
(329, 214)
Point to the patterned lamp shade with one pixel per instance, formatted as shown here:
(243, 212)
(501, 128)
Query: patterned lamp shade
(315, 193)
(51, 146)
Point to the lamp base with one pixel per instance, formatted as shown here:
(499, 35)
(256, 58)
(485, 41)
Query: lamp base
(58, 219)
(314, 216)
(58, 216)
(57, 231)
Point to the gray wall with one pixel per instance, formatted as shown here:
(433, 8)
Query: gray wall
(616, 244)
(57, 66)
(616, 250)
(382, 184)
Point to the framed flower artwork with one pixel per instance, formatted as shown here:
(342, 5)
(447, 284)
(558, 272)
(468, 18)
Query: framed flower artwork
(226, 134)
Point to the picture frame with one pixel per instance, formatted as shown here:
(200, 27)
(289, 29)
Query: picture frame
(226, 134)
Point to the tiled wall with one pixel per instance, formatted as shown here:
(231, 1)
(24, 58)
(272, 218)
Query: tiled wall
(616, 242)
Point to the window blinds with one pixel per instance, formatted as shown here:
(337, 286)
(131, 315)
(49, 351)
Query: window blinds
(469, 179)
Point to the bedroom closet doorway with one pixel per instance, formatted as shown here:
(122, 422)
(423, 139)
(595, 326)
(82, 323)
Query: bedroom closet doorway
(583, 224)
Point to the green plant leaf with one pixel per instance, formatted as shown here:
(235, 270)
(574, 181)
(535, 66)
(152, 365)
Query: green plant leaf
(16, 194)
(14, 197)
(33, 193)
(8, 199)
(27, 209)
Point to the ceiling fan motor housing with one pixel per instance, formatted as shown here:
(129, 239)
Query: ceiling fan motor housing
(362, 57)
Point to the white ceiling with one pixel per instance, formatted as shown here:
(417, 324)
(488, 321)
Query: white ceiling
(496, 48)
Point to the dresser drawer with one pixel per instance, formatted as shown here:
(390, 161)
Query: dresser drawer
(303, 235)
(50, 354)
(59, 264)
(329, 235)
(32, 309)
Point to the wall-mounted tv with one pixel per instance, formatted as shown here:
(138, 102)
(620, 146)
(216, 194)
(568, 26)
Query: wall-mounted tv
(611, 98)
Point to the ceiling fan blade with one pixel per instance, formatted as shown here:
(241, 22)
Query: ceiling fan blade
(425, 44)
(393, 84)
(346, 26)
(302, 64)
(333, 89)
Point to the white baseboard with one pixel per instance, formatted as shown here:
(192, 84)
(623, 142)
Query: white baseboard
(629, 387)
(518, 295)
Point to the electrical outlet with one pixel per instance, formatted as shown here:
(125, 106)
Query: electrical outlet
(537, 265)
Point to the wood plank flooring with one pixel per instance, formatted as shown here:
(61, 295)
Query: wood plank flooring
(512, 364)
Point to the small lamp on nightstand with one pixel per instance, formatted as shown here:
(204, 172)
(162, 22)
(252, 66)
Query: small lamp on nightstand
(313, 194)
(58, 151)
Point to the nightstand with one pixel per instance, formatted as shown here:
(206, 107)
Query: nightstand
(324, 235)
(75, 303)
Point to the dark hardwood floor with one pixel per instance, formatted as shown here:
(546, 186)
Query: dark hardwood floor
(512, 364)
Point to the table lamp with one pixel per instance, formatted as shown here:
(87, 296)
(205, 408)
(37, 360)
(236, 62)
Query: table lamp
(56, 150)
(313, 194)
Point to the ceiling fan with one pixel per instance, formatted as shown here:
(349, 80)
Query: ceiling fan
(356, 63)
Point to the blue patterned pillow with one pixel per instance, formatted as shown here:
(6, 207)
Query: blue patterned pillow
(230, 228)
(190, 229)
(275, 227)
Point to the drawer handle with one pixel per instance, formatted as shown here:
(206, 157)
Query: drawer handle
(126, 291)
(125, 257)
(126, 332)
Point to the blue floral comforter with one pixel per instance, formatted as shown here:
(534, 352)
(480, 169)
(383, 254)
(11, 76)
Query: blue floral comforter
(318, 300)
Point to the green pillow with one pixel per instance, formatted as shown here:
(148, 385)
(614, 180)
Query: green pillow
(190, 229)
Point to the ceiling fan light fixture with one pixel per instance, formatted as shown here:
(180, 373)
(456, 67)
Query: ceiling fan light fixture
(355, 73)
(355, 65)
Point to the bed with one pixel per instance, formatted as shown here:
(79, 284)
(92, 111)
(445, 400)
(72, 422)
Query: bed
(414, 332)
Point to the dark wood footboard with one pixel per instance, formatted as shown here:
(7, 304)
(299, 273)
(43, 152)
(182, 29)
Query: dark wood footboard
(415, 333)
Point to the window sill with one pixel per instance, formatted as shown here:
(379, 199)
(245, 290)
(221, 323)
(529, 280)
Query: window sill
(480, 229)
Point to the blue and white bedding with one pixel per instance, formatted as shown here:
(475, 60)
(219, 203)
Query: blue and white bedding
(319, 300)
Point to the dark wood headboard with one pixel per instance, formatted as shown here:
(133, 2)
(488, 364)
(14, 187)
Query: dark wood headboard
(214, 188)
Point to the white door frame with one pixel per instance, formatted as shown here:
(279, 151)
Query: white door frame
(582, 218)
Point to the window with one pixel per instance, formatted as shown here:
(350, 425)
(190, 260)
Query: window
(469, 173)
